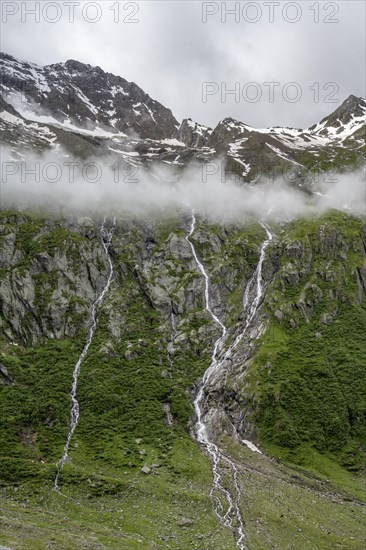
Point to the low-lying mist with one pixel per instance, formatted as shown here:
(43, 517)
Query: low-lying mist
(90, 186)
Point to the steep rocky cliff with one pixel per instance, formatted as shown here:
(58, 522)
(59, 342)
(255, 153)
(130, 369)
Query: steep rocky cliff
(293, 384)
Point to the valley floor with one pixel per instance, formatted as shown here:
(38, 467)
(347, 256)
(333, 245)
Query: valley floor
(283, 507)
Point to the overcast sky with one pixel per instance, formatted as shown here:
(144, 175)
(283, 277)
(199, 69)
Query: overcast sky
(171, 49)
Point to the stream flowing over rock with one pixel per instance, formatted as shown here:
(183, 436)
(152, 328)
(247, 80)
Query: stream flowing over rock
(178, 370)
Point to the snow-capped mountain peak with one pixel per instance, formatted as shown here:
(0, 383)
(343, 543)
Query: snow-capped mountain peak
(81, 96)
(90, 112)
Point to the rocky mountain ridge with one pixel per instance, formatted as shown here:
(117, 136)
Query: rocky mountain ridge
(92, 113)
(81, 96)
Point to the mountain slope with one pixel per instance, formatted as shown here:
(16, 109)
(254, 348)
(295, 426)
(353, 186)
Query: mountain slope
(80, 96)
(93, 113)
(153, 342)
(285, 405)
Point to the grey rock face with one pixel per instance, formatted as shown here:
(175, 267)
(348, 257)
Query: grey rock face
(9, 254)
(49, 294)
(87, 97)
(193, 134)
(5, 378)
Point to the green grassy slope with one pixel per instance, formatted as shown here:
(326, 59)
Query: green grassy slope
(307, 393)
(309, 372)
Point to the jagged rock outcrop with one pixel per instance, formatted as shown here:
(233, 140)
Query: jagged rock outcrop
(193, 134)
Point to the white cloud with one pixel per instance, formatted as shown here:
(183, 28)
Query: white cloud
(94, 186)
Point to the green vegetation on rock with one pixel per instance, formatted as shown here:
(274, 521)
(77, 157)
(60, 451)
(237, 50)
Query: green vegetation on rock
(302, 388)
